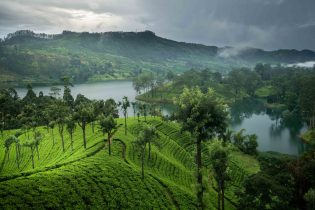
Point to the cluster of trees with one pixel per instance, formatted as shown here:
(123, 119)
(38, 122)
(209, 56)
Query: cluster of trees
(64, 113)
(284, 183)
(148, 82)
(246, 143)
(291, 87)
(146, 136)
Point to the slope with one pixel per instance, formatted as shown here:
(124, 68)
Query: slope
(92, 179)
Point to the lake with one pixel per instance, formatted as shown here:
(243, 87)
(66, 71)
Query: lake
(274, 134)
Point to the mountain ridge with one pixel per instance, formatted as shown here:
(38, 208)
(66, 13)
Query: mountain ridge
(30, 57)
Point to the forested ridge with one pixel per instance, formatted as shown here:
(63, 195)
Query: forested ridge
(42, 59)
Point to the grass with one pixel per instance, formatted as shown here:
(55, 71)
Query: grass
(264, 91)
(90, 178)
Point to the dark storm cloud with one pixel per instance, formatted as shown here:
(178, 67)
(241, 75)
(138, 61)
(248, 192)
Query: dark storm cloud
(268, 24)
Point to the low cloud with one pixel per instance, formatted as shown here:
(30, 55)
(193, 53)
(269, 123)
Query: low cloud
(230, 52)
(308, 64)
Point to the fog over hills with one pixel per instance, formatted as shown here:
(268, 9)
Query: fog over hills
(30, 57)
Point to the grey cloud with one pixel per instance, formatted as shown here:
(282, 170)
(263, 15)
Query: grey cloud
(268, 24)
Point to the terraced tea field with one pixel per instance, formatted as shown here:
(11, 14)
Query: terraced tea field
(91, 179)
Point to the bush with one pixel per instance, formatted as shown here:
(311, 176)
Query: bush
(246, 143)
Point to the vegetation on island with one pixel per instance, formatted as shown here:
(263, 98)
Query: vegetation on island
(287, 91)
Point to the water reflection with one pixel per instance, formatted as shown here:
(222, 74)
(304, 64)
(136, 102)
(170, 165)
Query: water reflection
(274, 132)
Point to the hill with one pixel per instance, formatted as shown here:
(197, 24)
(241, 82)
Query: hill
(91, 178)
(40, 58)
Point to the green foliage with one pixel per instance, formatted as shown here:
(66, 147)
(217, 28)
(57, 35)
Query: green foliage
(246, 143)
(107, 125)
(310, 199)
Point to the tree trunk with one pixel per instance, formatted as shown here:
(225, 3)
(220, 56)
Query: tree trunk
(33, 165)
(62, 139)
(3, 161)
(17, 155)
(83, 131)
(53, 136)
(219, 197)
(92, 124)
(149, 155)
(108, 140)
(142, 164)
(199, 175)
(71, 138)
(8, 153)
(19, 149)
(37, 152)
(222, 188)
(125, 124)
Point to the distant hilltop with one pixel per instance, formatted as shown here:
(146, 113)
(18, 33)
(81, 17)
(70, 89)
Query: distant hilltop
(29, 33)
(26, 56)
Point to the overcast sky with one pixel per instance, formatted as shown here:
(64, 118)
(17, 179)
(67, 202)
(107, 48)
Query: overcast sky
(268, 24)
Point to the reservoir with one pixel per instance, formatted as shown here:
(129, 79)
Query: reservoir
(274, 133)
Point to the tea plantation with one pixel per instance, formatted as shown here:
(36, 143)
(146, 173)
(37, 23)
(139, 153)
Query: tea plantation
(92, 179)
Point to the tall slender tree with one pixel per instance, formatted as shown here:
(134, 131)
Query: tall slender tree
(133, 104)
(204, 116)
(71, 125)
(219, 161)
(61, 111)
(107, 125)
(37, 139)
(124, 106)
(146, 136)
(83, 113)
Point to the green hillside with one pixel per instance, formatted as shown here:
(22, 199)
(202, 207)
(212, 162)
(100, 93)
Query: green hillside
(26, 57)
(90, 178)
